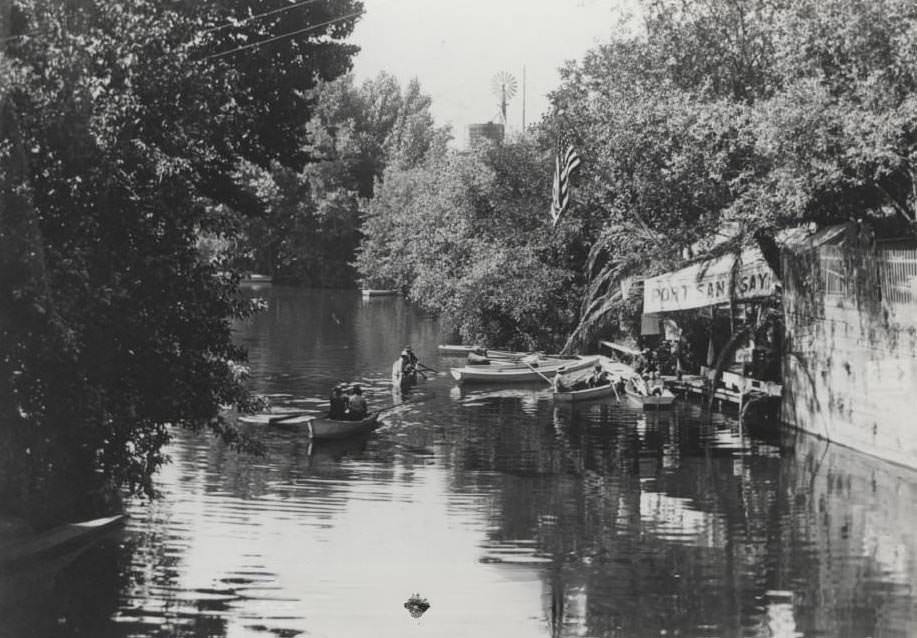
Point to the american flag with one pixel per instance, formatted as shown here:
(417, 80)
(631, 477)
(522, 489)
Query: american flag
(564, 164)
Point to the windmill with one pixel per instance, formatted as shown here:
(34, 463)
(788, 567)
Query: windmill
(503, 86)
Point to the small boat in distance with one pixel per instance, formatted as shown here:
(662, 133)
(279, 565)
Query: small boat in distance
(378, 292)
(255, 278)
(325, 428)
(539, 369)
(460, 350)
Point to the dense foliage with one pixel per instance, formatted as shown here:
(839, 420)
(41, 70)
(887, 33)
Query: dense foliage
(123, 127)
(311, 227)
(464, 234)
(740, 117)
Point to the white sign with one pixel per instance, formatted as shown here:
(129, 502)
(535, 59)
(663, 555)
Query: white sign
(707, 284)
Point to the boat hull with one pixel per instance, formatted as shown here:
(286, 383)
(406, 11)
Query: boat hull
(374, 292)
(586, 394)
(58, 540)
(321, 428)
(513, 373)
(652, 400)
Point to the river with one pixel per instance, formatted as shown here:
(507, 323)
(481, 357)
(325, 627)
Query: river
(512, 516)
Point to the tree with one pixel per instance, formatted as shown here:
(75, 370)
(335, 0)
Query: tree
(114, 154)
(310, 229)
(743, 116)
(466, 234)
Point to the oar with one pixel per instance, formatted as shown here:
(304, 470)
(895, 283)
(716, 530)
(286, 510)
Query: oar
(617, 396)
(536, 371)
(427, 368)
(280, 419)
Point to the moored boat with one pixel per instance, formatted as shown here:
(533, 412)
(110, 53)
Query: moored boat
(540, 369)
(460, 350)
(379, 292)
(663, 399)
(325, 428)
(586, 394)
(577, 390)
(57, 540)
(637, 390)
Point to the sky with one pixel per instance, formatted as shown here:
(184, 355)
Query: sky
(456, 47)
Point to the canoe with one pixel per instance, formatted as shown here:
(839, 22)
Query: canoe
(57, 540)
(520, 373)
(378, 292)
(325, 428)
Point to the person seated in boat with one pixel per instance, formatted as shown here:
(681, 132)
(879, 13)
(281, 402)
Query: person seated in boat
(411, 357)
(599, 377)
(655, 385)
(560, 384)
(339, 403)
(356, 406)
(407, 367)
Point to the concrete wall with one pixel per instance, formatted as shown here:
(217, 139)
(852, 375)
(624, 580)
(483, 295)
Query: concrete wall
(850, 356)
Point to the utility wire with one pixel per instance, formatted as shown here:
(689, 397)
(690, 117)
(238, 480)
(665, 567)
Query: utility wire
(314, 27)
(239, 23)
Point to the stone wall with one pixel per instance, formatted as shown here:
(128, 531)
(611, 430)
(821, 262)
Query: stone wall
(850, 356)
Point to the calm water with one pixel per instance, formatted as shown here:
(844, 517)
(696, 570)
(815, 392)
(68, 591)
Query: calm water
(512, 516)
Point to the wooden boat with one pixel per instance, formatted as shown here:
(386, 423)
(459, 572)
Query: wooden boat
(58, 540)
(651, 400)
(546, 367)
(475, 359)
(616, 372)
(586, 394)
(461, 350)
(379, 292)
(637, 390)
(255, 278)
(325, 428)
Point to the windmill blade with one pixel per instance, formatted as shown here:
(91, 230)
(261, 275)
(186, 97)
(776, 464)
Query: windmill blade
(504, 85)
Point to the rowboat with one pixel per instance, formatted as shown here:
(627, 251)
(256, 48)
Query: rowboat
(543, 368)
(616, 372)
(637, 391)
(651, 400)
(58, 540)
(586, 394)
(378, 292)
(255, 278)
(460, 350)
(325, 428)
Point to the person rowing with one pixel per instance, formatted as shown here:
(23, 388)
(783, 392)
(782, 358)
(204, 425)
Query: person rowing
(339, 403)
(409, 358)
(599, 377)
(357, 406)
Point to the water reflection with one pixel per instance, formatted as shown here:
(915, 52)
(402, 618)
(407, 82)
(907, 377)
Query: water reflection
(512, 516)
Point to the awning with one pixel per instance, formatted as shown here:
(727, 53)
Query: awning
(707, 283)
